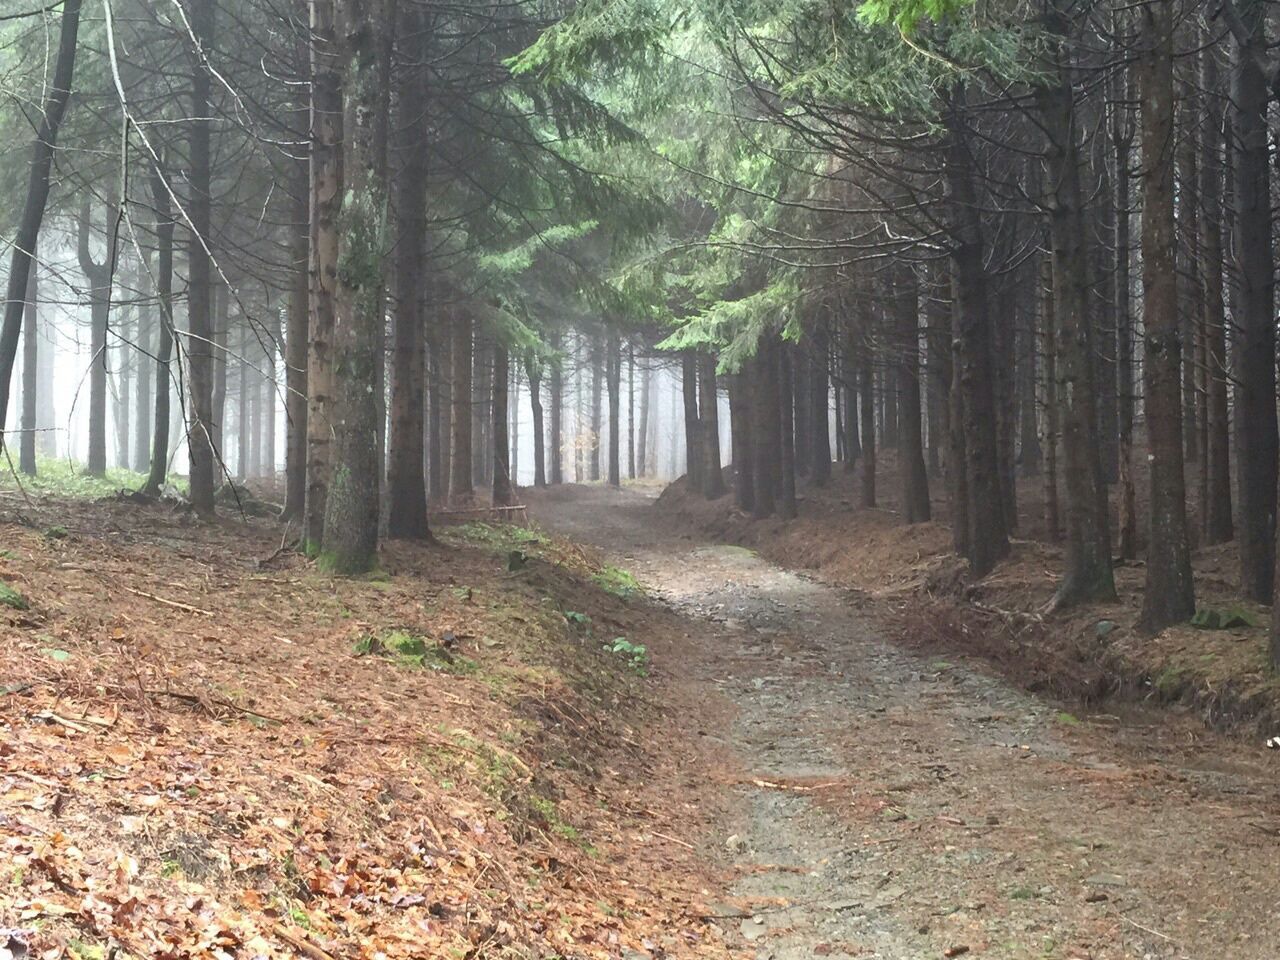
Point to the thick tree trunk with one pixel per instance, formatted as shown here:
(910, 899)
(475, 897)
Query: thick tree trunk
(99, 276)
(406, 475)
(145, 338)
(28, 233)
(1088, 574)
(1029, 453)
(1256, 437)
(597, 411)
(1052, 430)
(866, 384)
(1122, 139)
(1169, 596)
(915, 480)
(987, 538)
(481, 410)
(352, 506)
(502, 484)
(440, 399)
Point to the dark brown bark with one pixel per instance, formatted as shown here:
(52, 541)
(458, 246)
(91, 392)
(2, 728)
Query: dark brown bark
(556, 388)
(1256, 429)
(1169, 596)
(1088, 575)
(30, 376)
(818, 401)
(692, 425)
(99, 275)
(786, 357)
(866, 386)
(740, 436)
(642, 441)
(460, 483)
(533, 373)
(295, 355)
(597, 411)
(767, 420)
(613, 376)
(164, 347)
(709, 416)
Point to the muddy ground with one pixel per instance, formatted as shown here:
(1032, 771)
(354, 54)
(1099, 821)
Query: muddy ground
(897, 804)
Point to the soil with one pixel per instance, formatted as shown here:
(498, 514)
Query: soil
(893, 803)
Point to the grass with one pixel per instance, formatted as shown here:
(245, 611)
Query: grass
(618, 582)
(410, 650)
(57, 476)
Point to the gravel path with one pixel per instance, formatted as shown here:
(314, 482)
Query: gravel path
(902, 806)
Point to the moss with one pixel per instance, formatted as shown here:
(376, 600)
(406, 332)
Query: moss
(10, 597)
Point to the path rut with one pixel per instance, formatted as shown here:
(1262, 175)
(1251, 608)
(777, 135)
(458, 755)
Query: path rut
(900, 806)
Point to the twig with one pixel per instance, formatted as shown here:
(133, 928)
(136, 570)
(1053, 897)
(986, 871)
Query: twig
(278, 550)
(1154, 933)
(682, 843)
(305, 947)
(171, 603)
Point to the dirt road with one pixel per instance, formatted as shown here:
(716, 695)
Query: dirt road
(900, 806)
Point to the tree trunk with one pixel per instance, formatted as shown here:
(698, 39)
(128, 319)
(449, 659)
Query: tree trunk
(1052, 431)
(352, 506)
(164, 348)
(767, 423)
(145, 338)
(1256, 438)
(295, 355)
(642, 460)
(631, 411)
(406, 475)
(597, 412)
(28, 233)
(866, 383)
(99, 276)
(502, 486)
(557, 414)
(709, 415)
(915, 480)
(787, 356)
(987, 537)
(1217, 510)
(460, 484)
(613, 374)
(440, 399)
(692, 425)
(740, 439)
(1088, 574)
(1169, 596)
(533, 372)
(30, 376)
(200, 330)
(819, 419)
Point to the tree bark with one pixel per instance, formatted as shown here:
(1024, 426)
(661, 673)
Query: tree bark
(556, 389)
(692, 424)
(1169, 596)
(767, 422)
(37, 196)
(613, 376)
(502, 484)
(99, 276)
(460, 484)
(740, 437)
(1256, 438)
(642, 441)
(819, 419)
(787, 462)
(533, 373)
(30, 376)
(709, 415)
(915, 480)
(164, 347)
(295, 358)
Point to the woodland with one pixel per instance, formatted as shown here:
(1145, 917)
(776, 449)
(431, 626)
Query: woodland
(325, 316)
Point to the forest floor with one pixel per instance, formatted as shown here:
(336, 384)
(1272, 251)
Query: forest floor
(509, 745)
(899, 804)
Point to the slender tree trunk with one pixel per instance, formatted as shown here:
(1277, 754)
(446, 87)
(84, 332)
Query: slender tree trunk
(1169, 596)
(145, 337)
(819, 420)
(1217, 510)
(242, 403)
(164, 347)
(631, 410)
(27, 235)
(613, 375)
(556, 390)
(295, 354)
(692, 425)
(533, 372)
(460, 484)
(1052, 430)
(866, 383)
(99, 276)
(642, 460)
(1029, 453)
(597, 412)
(915, 479)
(502, 486)
(1122, 139)
(440, 393)
(30, 376)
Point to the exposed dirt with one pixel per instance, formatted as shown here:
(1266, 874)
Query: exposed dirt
(1088, 652)
(894, 804)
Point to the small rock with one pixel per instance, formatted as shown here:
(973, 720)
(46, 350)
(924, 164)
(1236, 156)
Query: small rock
(1105, 880)
(752, 930)
(957, 951)
(1103, 627)
(1096, 896)
(736, 844)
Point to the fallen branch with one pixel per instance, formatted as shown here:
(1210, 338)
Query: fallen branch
(176, 604)
(303, 946)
